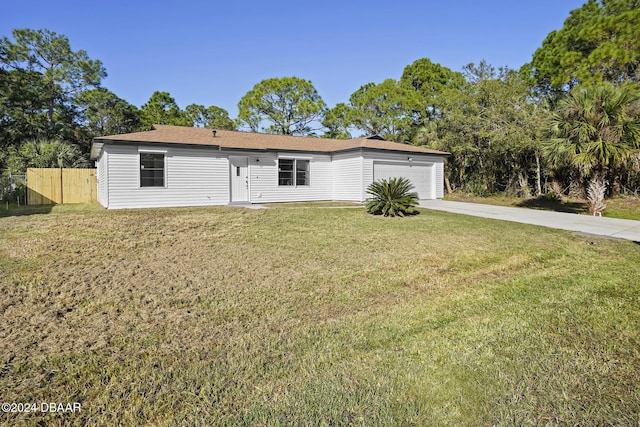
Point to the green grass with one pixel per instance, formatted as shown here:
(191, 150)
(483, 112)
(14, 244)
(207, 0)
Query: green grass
(623, 207)
(302, 316)
(617, 207)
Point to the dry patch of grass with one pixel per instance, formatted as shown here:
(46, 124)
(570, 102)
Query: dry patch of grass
(291, 315)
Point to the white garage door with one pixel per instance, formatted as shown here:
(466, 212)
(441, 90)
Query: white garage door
(420, 175)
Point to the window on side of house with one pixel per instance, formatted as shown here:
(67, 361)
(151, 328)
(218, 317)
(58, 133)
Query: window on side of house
(302, 172)
(293, 172)
(285, 171)
(151, 169)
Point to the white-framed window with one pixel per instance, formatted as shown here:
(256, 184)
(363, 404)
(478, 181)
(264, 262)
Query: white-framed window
(152, 169)
(293, 172)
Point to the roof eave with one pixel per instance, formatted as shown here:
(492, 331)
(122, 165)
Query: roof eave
(96, 149)
(134, 142)
(389, 150)
(99, 142)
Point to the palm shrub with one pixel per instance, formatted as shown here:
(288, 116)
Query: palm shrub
(595, 195)
(392, 197)
(597, 129)
(44, 153)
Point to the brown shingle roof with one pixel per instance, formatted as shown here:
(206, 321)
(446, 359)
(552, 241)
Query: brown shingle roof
(253, 141)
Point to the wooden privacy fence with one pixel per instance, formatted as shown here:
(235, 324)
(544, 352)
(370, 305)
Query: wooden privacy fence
(47, 186)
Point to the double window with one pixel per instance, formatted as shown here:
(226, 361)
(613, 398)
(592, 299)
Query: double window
(151, 169)
(293, 172)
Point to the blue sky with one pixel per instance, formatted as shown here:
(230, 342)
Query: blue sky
(213, 52)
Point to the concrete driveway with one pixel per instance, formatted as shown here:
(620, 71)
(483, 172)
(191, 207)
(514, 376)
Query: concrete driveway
(599, 226)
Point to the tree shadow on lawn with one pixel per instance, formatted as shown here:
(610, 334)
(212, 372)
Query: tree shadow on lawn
(545, 203)
(25, 210)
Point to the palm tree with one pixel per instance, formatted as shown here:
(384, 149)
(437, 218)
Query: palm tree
(45, 154)
(597, 129)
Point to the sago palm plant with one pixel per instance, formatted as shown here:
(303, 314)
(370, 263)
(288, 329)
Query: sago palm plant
(392, 197)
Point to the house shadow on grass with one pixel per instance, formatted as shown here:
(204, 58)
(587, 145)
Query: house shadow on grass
(548, 204)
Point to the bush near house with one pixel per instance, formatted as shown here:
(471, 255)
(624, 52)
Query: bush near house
(392, 197)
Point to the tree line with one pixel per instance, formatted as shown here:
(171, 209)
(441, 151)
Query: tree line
(566, 120)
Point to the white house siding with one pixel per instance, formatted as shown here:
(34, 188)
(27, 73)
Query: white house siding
(433, 190)
(193, 177)
(103, 189)
(263, 182)
(439, 165)
(347, 176)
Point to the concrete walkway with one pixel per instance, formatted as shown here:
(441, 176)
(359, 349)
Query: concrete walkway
(599, 226)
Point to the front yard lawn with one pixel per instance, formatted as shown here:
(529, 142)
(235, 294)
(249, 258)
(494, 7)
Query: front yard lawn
(310, 316)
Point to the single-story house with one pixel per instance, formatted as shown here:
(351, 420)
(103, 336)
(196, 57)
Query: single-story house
(183, 166)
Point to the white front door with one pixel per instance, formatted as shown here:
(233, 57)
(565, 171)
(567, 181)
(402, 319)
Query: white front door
(239, 179)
